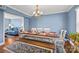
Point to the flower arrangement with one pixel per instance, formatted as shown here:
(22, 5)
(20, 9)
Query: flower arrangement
(72, 36)
(75, 38)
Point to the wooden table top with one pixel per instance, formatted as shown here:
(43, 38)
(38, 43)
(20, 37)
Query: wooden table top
(38, 35)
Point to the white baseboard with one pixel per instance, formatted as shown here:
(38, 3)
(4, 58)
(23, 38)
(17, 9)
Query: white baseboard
(1, 43)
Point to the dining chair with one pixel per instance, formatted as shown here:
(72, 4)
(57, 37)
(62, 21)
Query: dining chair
(59, 42)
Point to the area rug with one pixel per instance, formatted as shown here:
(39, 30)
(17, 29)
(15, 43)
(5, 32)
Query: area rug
(21, 47)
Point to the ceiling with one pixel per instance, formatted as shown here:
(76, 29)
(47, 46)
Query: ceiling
(46, 9)
(11, 16)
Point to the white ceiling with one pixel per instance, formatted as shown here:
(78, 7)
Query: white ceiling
(46, 9)
(11, 16)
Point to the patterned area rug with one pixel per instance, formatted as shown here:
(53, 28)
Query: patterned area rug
(21, 47)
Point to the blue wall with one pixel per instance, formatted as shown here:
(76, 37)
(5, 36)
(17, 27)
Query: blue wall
(14, 22)
(7, 22)
(54, 21)
(1, 26)
(26, 24)
(72, 19)
(12, 11)
(15, 12)
(57, 21)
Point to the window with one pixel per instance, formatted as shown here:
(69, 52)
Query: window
(12, 20)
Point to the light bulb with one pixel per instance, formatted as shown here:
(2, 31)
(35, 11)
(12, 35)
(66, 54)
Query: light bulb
(38, 11)
(34, 12)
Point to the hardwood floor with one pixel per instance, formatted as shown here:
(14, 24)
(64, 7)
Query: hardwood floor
(11, 40)
(8, 41)
(42, 44)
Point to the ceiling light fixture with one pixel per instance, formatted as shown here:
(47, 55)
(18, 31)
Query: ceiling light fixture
(37, 11)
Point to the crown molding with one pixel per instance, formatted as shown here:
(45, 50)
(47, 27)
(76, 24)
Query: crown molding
(70, 8)
(16, 9)
(47, 14)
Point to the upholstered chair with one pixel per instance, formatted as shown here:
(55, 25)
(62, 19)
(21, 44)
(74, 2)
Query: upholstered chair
(59, 46)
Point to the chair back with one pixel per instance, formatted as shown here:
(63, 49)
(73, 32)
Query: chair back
(63, 34)
(59, 43)
(59, 46)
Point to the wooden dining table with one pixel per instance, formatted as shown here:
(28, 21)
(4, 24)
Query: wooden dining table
(40, 35)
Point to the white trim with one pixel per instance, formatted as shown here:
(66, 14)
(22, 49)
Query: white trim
(61, 11)
(76, 10)
(70, 8)
(1, 43)
(8, 50)
(23, 23)
(56, 13)
(76, 18)
(3, 29)
(3, 32)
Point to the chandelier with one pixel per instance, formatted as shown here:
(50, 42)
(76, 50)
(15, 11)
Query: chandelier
(37, 11)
